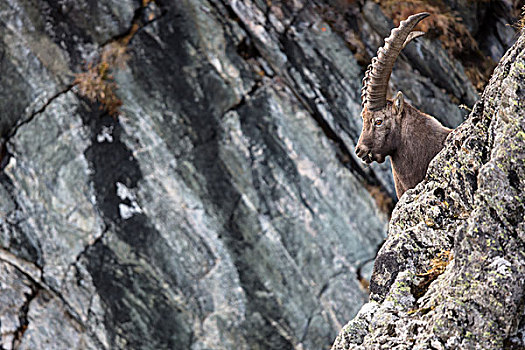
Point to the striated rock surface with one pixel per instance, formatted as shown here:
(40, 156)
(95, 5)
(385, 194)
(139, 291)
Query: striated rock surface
(471, 204)
(223, 208)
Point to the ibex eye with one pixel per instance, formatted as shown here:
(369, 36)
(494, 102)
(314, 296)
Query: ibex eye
(378, 122)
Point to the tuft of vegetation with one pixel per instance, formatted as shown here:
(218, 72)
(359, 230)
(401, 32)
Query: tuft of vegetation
(422, 310)
(437, 267)
(96, 82)
(520, 24)
(383, 200)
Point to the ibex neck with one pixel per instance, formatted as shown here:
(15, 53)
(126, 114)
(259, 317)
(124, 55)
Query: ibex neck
(422, 137)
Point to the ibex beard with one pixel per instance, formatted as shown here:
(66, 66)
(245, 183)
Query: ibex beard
(394, 128)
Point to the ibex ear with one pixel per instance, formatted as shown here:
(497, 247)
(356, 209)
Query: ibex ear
(399, 103)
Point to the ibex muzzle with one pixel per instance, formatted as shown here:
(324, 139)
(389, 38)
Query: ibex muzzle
(394, 128)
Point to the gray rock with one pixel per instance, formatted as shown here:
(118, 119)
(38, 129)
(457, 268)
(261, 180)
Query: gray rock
(196, 220)
(496, 38)
(471, 204)
(472, 13)
(224, 208)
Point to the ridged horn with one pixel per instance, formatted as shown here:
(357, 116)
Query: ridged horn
(375, 82)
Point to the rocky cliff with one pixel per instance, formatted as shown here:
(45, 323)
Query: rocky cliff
(180, 174)
(451, 272)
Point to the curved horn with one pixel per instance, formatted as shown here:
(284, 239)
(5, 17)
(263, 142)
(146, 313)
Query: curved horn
(375, 82)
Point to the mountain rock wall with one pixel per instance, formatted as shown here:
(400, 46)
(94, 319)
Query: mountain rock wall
(221, 205)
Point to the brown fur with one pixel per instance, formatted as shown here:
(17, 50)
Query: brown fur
(411, 138)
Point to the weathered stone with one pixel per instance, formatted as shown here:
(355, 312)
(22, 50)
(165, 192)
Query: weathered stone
(223, 208)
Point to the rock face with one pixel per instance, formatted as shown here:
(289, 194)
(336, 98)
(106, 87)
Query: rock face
(471, 204)
(223, 208)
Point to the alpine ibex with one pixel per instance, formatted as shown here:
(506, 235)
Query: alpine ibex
(394, 128)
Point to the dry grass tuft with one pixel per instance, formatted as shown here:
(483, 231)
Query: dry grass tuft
(383, 201)
(437, 267)
(97, 82)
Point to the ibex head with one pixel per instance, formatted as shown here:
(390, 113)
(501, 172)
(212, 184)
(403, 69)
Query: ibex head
(382, 118)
